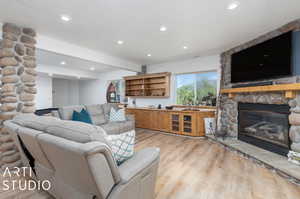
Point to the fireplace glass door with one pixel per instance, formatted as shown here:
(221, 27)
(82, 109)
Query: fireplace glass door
(264, 124)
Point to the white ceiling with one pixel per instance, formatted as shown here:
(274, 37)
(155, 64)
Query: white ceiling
(206, 27)
(47, 58)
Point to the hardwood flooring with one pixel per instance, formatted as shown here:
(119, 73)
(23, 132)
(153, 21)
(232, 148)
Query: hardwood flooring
(200, 169)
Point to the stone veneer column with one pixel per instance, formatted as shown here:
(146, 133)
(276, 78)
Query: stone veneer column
(18, 63)
(294, 119)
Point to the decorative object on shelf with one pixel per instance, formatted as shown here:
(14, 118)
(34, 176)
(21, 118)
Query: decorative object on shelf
(115, 91)
(294, 157)
(209, 100)
(132, 102)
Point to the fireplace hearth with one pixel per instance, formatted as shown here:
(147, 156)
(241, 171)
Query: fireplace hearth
(265, 125)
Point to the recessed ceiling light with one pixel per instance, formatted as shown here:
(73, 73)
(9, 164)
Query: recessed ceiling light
(185, 47)
(63, 63)
(65, 18)
(50, 74)
(149, 55)
(92, 68)
(163, 28)
(233, 5)
(120, 42)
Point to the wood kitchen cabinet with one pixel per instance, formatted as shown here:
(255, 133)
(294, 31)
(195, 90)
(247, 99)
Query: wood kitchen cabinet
(163, 121)
(184, 123)
(189, 123)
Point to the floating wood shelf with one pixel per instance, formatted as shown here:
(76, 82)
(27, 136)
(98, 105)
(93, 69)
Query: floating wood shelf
(289, 90)
(154, 85)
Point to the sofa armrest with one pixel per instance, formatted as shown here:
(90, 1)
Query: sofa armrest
(129, 117)
(138, 163)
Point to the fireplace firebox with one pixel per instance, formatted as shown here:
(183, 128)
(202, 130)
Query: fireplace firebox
(265, 125)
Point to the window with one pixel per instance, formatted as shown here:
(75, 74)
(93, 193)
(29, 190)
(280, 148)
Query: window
(196, 88)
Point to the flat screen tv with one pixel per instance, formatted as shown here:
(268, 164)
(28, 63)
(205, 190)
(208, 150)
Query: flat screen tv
(267, 60)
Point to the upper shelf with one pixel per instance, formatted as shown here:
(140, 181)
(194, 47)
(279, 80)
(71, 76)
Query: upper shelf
(288, 89)
(155, 85)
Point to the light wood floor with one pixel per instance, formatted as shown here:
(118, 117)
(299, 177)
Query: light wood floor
(200, 169)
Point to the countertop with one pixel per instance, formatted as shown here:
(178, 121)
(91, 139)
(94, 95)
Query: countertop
(195, 110)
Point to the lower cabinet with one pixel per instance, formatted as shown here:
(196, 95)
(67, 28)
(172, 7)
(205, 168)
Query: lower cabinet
(177, 122)
(184, 124)
(163, 121)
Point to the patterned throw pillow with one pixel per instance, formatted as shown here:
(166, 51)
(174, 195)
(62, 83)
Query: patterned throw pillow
(117, 115)
(122, 146)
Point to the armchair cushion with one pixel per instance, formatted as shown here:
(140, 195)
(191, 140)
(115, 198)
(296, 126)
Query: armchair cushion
(139, 162)
(97, 114)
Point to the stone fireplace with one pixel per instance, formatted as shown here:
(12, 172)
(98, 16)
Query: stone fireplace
(228, 106)
(265, 125)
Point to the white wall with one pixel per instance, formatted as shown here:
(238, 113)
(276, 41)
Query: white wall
(94, 91)
(44, 92)
(187, 66)
(65, 92)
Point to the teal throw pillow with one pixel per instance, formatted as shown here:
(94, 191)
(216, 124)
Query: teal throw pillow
(76, 116)
(83, 116)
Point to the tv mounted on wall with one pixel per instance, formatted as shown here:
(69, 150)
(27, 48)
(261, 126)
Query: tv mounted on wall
(268, 60)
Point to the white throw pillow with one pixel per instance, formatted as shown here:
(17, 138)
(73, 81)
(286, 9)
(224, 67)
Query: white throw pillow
(122, 146)
(117, 115)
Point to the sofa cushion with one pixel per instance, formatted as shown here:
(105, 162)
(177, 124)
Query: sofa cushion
(127, 126)
(71, 130)
(76, 131)
(33, 121)
(66, 112)
(97, 114)
(112, 127)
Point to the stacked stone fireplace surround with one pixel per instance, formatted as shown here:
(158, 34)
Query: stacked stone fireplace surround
(228, 107)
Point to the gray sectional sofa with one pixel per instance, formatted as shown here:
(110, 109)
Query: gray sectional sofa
(78, 162)
(100, 116)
